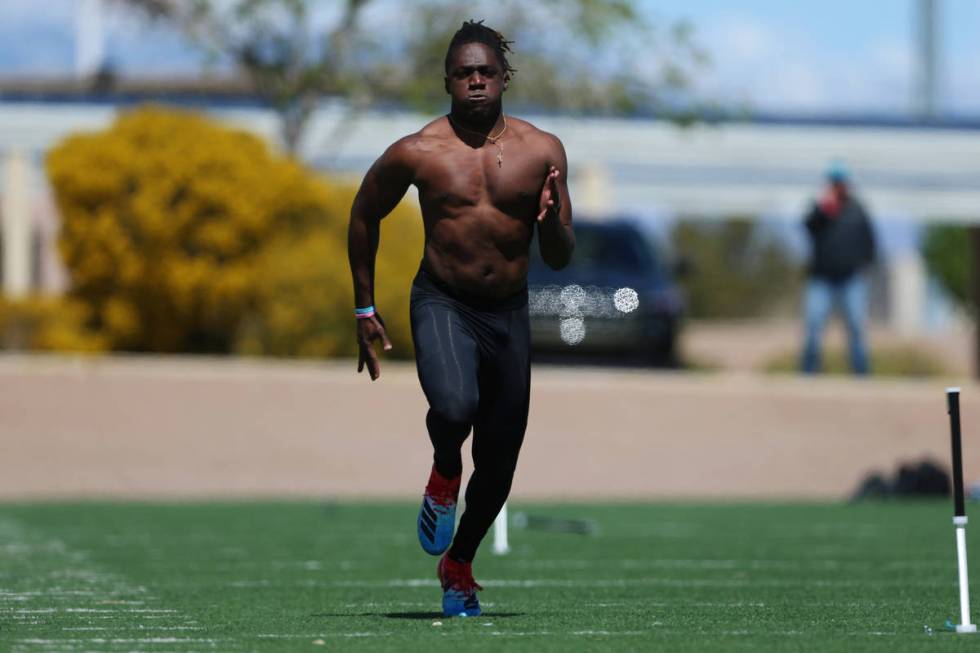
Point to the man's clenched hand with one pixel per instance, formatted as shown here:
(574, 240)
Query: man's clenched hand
(369, 330)
(550, 200)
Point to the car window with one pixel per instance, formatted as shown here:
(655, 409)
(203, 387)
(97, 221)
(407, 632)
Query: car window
(611, 250)
(599, 249)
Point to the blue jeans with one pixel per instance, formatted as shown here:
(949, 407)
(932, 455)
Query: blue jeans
(821, 295)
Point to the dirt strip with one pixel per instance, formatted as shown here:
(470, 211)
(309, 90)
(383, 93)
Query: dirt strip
(174, 428)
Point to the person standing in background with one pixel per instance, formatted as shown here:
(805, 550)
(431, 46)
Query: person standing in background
(842, 247)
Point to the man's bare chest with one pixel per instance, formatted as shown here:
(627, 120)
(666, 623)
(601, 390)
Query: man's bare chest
(504, 177)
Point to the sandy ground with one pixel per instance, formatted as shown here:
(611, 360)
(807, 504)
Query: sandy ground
(171, 427)
(748, 345)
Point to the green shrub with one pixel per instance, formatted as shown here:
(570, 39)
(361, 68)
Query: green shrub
(946, 249)
(738, 269)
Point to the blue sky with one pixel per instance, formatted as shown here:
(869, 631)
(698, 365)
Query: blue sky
(776, 55)
(829, 54)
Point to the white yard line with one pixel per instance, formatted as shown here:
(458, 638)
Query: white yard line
(602, 582)
(706, 564)
(576, 633)
(80, 591)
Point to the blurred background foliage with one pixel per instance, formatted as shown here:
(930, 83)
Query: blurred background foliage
(600, 57)
(181, 235)
(946, 249)
(48, 323)
(305, 296)
(738, 269)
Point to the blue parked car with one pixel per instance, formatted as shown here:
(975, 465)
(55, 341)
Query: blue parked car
(616, 298)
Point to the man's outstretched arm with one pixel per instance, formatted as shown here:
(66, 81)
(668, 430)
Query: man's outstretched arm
(555, 234)
(383, 187)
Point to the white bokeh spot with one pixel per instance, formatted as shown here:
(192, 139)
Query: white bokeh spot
(626, 300)
(572, 330)
(572, 297)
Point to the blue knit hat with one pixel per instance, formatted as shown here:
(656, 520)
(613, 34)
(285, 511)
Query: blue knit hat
(837, 171)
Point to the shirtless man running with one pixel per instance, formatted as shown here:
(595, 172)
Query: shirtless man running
(484, 181)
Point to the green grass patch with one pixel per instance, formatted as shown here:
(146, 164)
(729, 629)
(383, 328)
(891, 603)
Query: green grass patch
(899, 360)
(320, 576)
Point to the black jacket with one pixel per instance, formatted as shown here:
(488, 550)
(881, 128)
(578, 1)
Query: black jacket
(841, 244)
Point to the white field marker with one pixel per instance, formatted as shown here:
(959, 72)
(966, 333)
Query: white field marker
(500, 544)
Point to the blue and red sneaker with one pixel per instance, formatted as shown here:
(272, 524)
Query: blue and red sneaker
(458, 588)
(437, 516)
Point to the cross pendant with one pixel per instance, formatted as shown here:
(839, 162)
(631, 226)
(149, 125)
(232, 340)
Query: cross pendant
(500, 159)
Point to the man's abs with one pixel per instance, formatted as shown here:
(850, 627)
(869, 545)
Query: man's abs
(484, 255)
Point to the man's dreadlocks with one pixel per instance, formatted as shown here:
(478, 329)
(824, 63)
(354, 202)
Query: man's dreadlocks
(474, 31)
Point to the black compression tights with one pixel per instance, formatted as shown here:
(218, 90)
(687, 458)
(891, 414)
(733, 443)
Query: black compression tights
(474, 365)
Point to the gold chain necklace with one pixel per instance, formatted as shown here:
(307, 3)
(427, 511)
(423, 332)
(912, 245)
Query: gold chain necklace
(493, 139)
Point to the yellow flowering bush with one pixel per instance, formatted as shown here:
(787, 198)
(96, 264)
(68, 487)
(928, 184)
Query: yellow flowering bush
(305, 295)
(182, 235)
(47, 323)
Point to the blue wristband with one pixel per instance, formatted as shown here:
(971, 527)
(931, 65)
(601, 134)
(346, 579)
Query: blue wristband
(367, 310)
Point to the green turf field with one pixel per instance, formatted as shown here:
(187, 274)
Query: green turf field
(316, 577)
